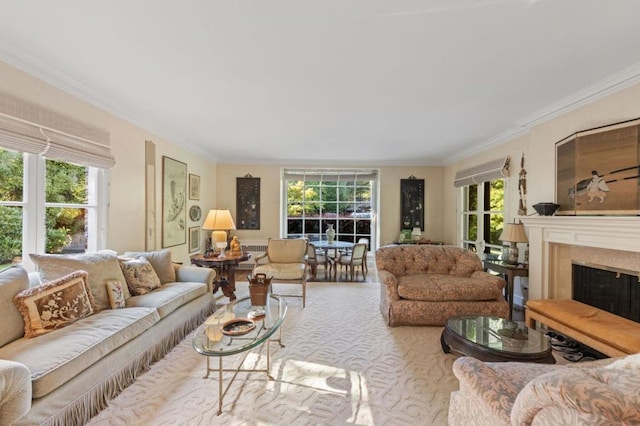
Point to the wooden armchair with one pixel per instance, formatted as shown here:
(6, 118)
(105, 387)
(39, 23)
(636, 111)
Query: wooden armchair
(285, 263)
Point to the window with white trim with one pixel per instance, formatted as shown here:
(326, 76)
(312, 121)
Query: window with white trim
(48, 206)
(482, 190)
(53, 190)
(345, 199)
(483, 216)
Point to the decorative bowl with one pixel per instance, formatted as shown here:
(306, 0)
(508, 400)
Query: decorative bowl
(546, 209)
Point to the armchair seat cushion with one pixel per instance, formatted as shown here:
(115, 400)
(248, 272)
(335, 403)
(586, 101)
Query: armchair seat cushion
(439, 288)
(282, 271)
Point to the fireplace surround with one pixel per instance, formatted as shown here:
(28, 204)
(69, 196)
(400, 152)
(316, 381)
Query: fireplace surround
(557, 241)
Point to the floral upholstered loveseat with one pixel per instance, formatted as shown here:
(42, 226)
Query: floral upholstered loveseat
(601, 392)
(426, 285)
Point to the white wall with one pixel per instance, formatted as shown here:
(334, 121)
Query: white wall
(126, 213)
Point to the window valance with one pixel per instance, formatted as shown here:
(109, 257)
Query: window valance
(28, 127)
(496, 169)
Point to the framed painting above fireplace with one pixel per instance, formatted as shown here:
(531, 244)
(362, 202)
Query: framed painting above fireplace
(598, 171)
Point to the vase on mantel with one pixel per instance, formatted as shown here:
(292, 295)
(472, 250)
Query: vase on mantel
(331, 234)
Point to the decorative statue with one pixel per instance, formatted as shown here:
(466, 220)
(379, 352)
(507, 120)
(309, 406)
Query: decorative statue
(235, 246)
(522, 189)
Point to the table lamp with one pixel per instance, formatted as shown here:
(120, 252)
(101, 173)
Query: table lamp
(416, 233)
(219, 222)
(513, 233)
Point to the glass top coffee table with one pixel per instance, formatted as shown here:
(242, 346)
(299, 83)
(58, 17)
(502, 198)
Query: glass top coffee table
(229, 332)
(495, 339)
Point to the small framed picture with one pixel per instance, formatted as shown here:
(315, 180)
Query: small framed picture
(194, 239)
(194, 187)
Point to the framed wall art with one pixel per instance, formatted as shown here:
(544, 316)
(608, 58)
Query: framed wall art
(412, 203)
(194, 239)
(248, 202)
(598, 170)
(174, 197)
(194, 187)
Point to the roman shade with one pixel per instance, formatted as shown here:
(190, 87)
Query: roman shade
(329, 175)
(27, 127)
(496, 169)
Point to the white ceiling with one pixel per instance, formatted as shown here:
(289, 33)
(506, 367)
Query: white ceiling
(328, 81)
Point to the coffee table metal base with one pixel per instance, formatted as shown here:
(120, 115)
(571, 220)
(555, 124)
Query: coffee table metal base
(222, 390)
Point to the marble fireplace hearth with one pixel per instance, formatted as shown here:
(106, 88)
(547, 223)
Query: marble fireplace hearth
(556, 241)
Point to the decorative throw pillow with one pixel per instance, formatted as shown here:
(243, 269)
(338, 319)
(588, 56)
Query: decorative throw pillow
(161, 262)
(116, 294)
(140, 276)
(55, 304)
(102, 266)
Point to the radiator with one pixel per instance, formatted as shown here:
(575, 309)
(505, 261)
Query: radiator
(256, 248)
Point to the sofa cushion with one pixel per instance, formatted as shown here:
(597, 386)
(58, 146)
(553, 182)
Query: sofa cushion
(161, 262)
(55, 304)
(12, 281)
(140, 276)
(170, 297)
(56, 357)
(102, 266)
(437, 288)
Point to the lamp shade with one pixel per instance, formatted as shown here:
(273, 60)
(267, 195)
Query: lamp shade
(513, 233)
(218, 220)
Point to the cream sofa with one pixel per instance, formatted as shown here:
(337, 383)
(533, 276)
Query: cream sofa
(588, 393)
(74, 371)
(427, 284)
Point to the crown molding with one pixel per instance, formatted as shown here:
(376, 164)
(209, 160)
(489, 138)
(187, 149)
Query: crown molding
(40, 70)
(605, 87)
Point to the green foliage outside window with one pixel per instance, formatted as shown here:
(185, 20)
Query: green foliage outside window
(65, 183)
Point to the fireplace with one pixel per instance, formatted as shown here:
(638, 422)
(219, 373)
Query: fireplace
(610, 289)
(556, 242)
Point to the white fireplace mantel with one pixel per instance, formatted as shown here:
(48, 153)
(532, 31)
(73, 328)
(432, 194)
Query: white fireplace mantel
(606, 232)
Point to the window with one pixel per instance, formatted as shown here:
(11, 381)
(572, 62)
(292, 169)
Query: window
(344, 199)
(48, 206)
(483, 216)
(53, 189)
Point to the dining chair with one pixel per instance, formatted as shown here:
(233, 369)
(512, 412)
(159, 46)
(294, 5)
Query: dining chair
(356, 259)
(285, 263)
(364, 258)
(317, 257)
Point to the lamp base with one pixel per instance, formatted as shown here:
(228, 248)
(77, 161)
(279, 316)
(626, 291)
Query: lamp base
(512, 254)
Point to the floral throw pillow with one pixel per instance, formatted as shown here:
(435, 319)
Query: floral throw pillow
(55, 304)
(116, 294)
(140, 276)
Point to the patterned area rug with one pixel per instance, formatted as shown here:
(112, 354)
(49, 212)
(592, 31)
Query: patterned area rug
(340, 365)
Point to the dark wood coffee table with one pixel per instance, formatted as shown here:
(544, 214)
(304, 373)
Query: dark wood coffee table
(482, 338)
